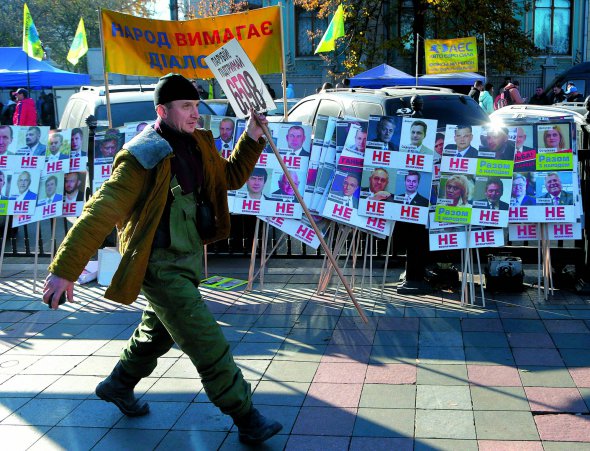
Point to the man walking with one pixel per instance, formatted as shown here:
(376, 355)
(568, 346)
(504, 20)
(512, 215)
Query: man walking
(152, 197)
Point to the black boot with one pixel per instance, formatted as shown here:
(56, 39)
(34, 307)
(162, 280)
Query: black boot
(254, 428)
(118, 389)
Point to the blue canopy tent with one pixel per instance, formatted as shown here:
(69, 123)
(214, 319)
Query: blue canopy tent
(456, 79)
(381, 76)
(13, 72)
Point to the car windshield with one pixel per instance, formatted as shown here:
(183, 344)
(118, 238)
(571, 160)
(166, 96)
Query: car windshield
(278, 111)
(136, 112)
(446, 109)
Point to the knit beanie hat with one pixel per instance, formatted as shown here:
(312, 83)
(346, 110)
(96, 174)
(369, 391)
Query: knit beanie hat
(174, 87)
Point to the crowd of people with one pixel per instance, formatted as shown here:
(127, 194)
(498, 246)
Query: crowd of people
(509, 94)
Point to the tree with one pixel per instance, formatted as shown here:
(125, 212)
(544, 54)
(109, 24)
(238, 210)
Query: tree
(57, 20)
(369, 40)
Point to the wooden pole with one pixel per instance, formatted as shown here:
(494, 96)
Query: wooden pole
(312, 222)
(35, 270)
(253, 256)
(4, 235)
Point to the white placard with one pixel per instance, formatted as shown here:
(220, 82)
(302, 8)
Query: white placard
(239, 79)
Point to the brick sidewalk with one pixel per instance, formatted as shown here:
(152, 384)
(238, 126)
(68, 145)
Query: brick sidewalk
(424, 374)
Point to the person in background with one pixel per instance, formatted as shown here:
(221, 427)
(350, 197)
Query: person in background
(271, 91)
(152, 197)
(290, 90)
(538, 98)
(486, 98)
(512, 89)
(475, 90)
(573, 95)
(8, 110)
(25, 112)
(557, 96)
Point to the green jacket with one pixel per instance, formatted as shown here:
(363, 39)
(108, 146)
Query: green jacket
(133, 199)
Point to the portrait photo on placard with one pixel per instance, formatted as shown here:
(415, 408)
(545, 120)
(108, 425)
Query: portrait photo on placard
(412, 187)
(58, 147)
(554, 136)
(31, 141)
(418, 136)
(282, 189)
(223, 129)
(496, 143)
(78, 142)
(455, 190)
(294, 139)
(5, 177)
(51, 189)
(462, 141)
(257, 186)
(8, 143)
(555, 188)
(345, 187)
(356, 139)
(385, 130)
(74, 186)
(107, 144)
(491, 193)
(24, 185)
(378, 183)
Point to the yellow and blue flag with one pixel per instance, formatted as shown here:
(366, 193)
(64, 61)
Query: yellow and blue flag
(335, 30)
(79, 46)
(31, 43)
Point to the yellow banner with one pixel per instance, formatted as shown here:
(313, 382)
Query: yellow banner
(136, 46)
(445, 56)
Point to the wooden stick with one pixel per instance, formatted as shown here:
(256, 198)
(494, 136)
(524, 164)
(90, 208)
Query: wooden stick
(483, 298)
(539, 244)
(253, 256)
(205, 262)
(311, 220)
(275, 247)
(4, 235)
(386, 259)
(35, 270)
(364, 263)
(265, 226)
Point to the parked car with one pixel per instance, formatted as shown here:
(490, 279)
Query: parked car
(222, 107)
(539, 112)
(578, 74)
(442, 104)
(129, 103)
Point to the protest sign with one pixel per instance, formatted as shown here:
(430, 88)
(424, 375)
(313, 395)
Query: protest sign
(239, 79)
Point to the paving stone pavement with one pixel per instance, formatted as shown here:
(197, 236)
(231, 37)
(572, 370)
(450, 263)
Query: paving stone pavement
(424, 374)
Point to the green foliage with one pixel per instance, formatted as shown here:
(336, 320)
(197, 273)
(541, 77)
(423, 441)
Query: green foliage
(57, 20)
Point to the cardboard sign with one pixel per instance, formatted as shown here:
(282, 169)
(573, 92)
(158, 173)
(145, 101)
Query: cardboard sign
(239, 79)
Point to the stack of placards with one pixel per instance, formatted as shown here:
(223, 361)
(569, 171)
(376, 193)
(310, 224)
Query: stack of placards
(397, 179)
(546, 187)
(474, 187)
(37, 166)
